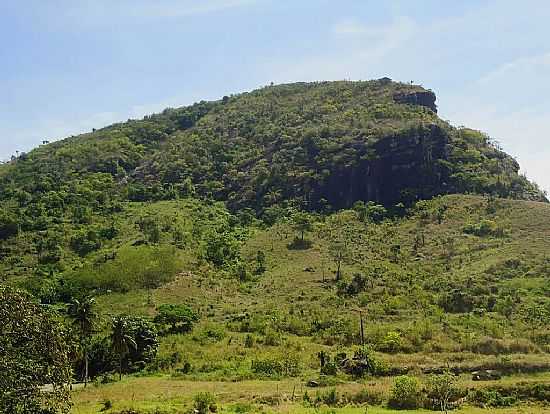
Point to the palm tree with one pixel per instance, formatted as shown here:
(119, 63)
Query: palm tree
(84, 318)
(121, 340)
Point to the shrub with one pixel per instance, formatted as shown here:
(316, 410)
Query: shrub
(405, 393)
(329, 368)
(204, 402)
(178, 318)
(357, 285)
(272, 337)
(491, 398)
(209, 333)
(221, 248)
(330, 398)
(150, 228)
(260, 262)
(133, 268)
(505, 396)
(107, 405)
(287, 365)
(363, 363)
(492, 346)
(484, 228)
(370, 397)
(86, 241)
(391, 343)
(249, 341)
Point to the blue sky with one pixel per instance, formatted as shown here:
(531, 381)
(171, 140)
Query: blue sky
(67, 66)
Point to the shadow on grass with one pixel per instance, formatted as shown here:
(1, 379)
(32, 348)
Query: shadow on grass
(300, 244)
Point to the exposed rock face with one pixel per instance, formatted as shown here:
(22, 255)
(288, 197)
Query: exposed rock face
(422, 98)
(403, 167)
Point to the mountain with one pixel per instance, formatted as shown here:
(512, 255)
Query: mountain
(309, 144)
(296, 223)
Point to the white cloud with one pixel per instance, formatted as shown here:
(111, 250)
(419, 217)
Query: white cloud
(538, 65)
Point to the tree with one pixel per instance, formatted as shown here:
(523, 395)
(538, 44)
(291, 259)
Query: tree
(82, 312)
(121, 340)
(338, 230)
(302, 223)
(180, 318)
(9, 226)
(442, 390)
(260, 262)
(144, 334)
(150, 228)
(535, 316)
(33, 353)
(221, 248)
(405, 393)
(85, 241)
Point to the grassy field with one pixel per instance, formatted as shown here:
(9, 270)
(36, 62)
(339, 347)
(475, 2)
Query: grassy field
(285, 396)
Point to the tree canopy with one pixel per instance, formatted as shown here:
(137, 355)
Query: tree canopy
(34, 364)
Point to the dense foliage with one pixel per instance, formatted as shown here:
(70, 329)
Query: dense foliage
(33, 353)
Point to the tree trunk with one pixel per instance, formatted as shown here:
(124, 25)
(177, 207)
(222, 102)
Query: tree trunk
(338, 270)
(120, 368)
(85, 368)
(362, 329)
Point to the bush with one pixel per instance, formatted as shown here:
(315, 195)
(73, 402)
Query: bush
(178, 318)
(249, 341)
(204, 402)
(405, 394)
(363, 363)
(492, 346)
(370, 397)
(86, 241)
(287, 365)
(484, 228)
(329, 368)
(491, 398)
(391, 343)
(505, 396)
(330, 398)
(272, 337)
(209, 333)
(221, 248)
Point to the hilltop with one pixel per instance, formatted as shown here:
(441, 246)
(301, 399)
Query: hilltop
(309, 144)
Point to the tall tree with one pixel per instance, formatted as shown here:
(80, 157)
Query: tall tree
(338, 231)
(34, 354)
(82, 312)
(121, 339)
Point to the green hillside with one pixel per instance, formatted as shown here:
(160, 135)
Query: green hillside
(336, 233)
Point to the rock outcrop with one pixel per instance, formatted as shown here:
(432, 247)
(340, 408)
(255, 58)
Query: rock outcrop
(422, 98)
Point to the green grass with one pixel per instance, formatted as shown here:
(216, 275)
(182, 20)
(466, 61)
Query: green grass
(175, 394)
